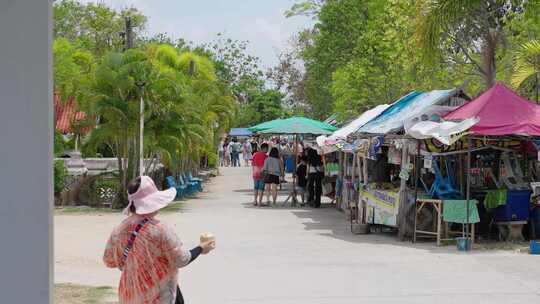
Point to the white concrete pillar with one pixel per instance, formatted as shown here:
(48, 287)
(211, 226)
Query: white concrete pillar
(26, 137)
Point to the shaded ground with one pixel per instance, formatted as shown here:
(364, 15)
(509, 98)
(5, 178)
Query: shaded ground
(299, 255)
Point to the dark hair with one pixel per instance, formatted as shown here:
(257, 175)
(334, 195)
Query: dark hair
(303, 158)
(132, 187)
(274, 153)
(264, 146)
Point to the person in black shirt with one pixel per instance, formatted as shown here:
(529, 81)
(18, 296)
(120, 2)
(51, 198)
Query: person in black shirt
(301, 178)
(315, 176)
(254, 146)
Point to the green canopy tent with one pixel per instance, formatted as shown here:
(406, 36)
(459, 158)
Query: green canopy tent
(294, 126)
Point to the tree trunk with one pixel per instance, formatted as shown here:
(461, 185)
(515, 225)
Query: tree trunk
(489, 52)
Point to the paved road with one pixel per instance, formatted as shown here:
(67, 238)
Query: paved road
(297, 256)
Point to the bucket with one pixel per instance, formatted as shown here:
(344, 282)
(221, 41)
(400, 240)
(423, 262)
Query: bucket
(534, 246)
(463, 243)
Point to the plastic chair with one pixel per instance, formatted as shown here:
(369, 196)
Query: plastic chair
(197, 180)
(192, 187)
(180, 189)
(442, 187)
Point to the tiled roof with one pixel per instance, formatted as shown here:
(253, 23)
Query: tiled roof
(66, 113)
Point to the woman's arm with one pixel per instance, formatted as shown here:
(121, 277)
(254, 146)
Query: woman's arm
(110, 256)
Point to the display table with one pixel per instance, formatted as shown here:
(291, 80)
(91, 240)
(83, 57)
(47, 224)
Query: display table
(438, 227)
(438, 207)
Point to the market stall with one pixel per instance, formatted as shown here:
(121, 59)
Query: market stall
(387, 163)
(340, 155)
(486, 171)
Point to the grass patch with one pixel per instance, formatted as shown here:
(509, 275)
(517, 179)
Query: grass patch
(78, 294)
(174, 207)
(84, 210)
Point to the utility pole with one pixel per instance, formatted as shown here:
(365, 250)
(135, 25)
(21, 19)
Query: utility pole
(140, 85)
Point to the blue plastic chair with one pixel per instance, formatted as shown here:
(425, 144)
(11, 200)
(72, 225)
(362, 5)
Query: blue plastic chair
(442, 187)
(180, 189)
(192, 187)
(196, 180)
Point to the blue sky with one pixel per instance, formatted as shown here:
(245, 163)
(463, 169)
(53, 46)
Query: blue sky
(259, 21)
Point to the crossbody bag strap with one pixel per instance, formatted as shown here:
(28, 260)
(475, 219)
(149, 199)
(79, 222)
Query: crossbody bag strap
(132, 238)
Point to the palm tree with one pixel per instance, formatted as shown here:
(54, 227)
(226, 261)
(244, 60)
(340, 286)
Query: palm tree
(184, 101)
(473, 28)
(527, 65)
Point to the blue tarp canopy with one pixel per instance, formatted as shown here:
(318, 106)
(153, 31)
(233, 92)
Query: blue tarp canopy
(240, 132)
(407, 107)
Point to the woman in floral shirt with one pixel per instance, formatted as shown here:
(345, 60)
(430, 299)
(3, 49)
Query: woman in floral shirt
(147, 251)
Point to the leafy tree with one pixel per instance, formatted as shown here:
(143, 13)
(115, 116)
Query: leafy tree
(527, 67)
(73, 69)
(236, 67)
(330, 46)
(289, 78)
(469, 31)
(94, 26)
(305, 8)
(265, 106)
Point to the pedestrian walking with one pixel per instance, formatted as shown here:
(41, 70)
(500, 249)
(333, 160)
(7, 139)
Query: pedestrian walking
(301, 178)
(273, 168)
(254, 146)
(235, 152)
(228, 154)
(315, 176)
(258, 181)
(246, 153)
(146, 250)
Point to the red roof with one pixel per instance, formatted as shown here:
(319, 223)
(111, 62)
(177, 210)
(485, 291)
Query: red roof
(501, 112)
(66, 113)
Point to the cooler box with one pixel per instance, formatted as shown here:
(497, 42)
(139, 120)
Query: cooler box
(516, 208)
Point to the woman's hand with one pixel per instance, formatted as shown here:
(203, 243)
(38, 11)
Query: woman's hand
(207, 246)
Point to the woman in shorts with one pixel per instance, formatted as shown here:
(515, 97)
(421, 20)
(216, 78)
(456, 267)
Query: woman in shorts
(273, 168)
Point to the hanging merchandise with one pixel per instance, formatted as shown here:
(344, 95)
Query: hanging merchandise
(375, 146)
(394, 156)
(404, 173)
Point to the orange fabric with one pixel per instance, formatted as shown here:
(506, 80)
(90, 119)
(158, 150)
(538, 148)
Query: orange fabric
(150, 273)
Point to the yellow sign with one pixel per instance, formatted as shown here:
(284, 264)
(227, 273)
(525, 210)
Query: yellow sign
(382, 206)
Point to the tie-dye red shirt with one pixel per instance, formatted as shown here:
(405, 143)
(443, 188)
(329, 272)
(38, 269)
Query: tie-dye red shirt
(150, 273)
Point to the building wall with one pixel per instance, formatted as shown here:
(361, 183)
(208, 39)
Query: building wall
(25, 152)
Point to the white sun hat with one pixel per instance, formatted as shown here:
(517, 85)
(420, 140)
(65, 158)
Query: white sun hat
(148, 198)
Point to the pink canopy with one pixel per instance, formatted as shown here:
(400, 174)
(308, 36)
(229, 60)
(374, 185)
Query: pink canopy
(501, 112)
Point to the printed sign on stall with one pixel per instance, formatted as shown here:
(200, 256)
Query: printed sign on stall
(383, 207)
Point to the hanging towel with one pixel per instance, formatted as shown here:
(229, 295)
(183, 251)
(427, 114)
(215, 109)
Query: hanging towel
(495, 198)
(455, 211)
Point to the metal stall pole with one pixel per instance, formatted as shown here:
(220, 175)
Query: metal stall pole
(417, 172)
(467, 231)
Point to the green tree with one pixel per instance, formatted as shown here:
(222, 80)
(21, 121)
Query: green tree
(265, 106)
(470, 32)
(94, 26)
(527, 66)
